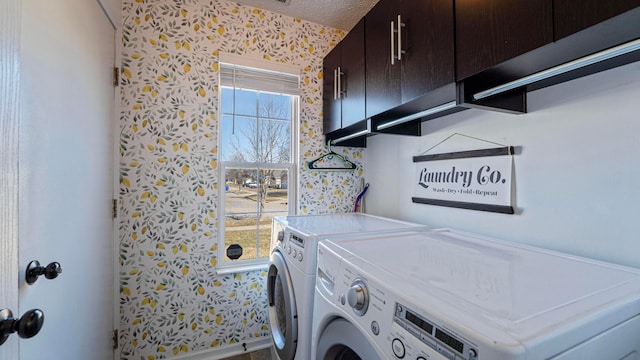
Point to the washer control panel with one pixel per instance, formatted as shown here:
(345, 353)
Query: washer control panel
(436, 337)
(386, 316)
(358, 297)
(291, 245)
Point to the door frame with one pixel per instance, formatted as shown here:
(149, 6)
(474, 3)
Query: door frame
(113, 12)
(116, 191)
(10, 53)
(10, 22)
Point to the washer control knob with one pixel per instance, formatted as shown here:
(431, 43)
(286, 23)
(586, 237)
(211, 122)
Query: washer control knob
(473, 354)
(358, 297)
(289, 250)
(300, 256)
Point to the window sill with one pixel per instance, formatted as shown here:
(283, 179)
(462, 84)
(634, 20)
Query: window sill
(230, 269)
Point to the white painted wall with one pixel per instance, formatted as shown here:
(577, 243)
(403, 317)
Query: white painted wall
(577, 178)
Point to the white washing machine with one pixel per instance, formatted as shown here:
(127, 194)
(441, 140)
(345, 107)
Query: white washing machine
(292, 270)
(449, 295)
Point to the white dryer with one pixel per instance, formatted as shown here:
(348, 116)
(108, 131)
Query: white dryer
(291, 276)
(448, 295)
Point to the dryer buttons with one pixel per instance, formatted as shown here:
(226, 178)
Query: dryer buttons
(398, 348)
(375, 328)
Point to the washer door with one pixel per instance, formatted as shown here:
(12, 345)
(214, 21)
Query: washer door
(283, 316)
(341, 340)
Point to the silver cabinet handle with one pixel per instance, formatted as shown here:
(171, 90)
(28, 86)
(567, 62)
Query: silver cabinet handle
(340, 82)
(400, 26)
(396, 31)
(335, 84)
(393, 30)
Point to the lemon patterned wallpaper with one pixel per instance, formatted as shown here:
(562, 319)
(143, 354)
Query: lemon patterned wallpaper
(172, 302)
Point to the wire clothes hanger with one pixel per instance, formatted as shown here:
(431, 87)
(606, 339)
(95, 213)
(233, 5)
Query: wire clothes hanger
(326, 162)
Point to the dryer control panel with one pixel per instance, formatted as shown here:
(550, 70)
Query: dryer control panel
(398, 327)
(294, 247)
(439, 339)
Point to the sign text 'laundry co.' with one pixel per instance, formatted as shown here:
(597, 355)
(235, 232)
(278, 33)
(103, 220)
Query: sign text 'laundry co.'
(483, 176)
(481, 180)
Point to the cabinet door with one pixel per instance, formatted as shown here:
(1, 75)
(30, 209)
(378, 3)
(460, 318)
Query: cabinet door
(330, 101)
(427, 38)
(491, 31)
(572, 16)
(353, 77)
(382, 78)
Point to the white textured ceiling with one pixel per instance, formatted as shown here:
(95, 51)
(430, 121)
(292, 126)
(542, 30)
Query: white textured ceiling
(339, 14)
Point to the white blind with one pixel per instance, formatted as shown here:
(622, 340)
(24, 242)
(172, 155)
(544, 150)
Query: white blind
(261, 79)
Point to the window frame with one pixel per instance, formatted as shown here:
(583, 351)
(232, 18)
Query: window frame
(227, 266)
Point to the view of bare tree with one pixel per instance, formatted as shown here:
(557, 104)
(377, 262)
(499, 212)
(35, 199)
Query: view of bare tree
(267, 142)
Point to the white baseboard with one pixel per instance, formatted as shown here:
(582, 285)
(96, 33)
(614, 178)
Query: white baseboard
(227, 351)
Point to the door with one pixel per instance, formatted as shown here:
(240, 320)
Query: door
(331, 102)
(353, 78)
(571, 16)
(429, 61)
(342, 340)
(409, 51)
(61, 128)
(344, 82)
(493, 31)
(283, 316)
(382, 78)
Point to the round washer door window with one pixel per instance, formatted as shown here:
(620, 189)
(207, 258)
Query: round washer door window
(282, 308)
(341, 340)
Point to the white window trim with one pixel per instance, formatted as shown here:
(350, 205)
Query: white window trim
(223, 266)
(258, 63)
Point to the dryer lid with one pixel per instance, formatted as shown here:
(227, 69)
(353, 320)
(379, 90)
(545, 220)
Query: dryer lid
(518, 291)
(332, 225)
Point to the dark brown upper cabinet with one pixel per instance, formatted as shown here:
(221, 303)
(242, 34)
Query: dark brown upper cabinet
(409, 52)
(344, 82)
(489, 32)
(572, 16)
(331, 104)
(504, 47)
(413, 69)
(383, 78)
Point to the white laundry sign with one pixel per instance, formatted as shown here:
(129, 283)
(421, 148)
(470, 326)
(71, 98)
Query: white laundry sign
(479, 183)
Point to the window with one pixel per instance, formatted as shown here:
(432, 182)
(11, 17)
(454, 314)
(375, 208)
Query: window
(258, 133)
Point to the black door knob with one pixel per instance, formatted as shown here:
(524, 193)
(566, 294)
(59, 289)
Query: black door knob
(34, 270)
(27, 326)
